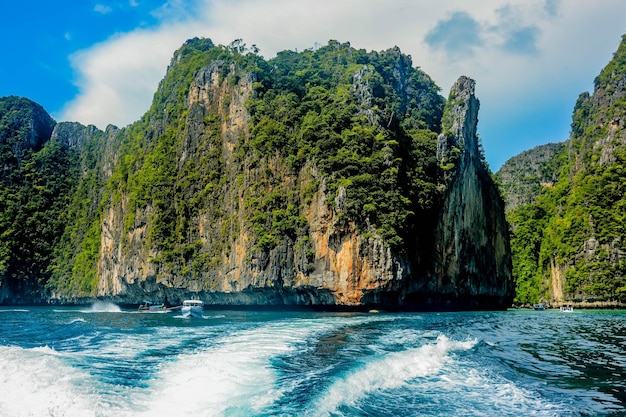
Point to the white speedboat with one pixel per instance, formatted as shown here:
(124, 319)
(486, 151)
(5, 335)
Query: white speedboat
(567, 309)
(192, 308)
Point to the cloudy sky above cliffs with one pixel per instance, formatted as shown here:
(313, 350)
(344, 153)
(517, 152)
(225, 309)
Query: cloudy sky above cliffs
(99, 62)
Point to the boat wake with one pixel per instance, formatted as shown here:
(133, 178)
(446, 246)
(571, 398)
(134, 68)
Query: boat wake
(351, 365)
(38, 382)
(390, 371)
(233, 377)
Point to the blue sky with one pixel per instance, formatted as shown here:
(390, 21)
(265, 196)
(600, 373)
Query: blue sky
(99, 62)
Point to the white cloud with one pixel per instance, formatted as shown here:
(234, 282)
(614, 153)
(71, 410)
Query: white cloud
(176, 10)
(525, 52)
(119, 77)
(101, 8)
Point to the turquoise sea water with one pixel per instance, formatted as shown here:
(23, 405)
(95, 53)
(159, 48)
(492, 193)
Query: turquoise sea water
(104, 361)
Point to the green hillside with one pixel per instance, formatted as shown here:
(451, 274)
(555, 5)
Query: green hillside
(569, 244)
(364, 123)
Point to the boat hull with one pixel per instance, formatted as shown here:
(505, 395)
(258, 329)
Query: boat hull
(191, 311)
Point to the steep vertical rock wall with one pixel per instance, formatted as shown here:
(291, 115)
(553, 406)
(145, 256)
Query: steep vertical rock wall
(566, 203)
(473, 261)
(355, 269)
(333, 265)
(205, 196)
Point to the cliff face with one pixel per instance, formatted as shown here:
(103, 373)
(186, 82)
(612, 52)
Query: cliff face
(568, 235)
(473, 261)
(524, 176)
(24, 125)
(332, 264)
(293, 182)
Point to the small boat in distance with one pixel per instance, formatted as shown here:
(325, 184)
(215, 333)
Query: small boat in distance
(567, 309)
(192, 308)
(539, 307)
(149, 306)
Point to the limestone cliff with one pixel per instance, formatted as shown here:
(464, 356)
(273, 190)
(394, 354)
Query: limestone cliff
(24, 125)
(308, 180)
(331, 264)
(567, 232)
(473, 261)
(524, 176)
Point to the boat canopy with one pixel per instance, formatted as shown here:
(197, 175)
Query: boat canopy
(193, 303)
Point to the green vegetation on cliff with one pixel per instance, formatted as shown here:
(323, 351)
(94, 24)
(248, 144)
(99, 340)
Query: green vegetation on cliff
(368, 122)
(73, 270)
(307, 179)
(361, 124)
(36, 182)
(570, 242)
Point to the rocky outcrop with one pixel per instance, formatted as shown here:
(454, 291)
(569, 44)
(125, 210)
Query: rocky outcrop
(203, 197)
(357, 270)
(473, 260)
(524, 176)
(24, 125)
(564, 202)
(73, 134)
(334, 265)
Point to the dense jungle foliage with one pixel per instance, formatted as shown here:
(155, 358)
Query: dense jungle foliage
(37, 179)
(576, 227)
(367, 121)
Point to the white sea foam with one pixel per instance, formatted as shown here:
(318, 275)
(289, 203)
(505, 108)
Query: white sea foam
(103, 307)
(389, 371)
(498, 396)
(36, 382)
(234, 377)
(431, 371)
